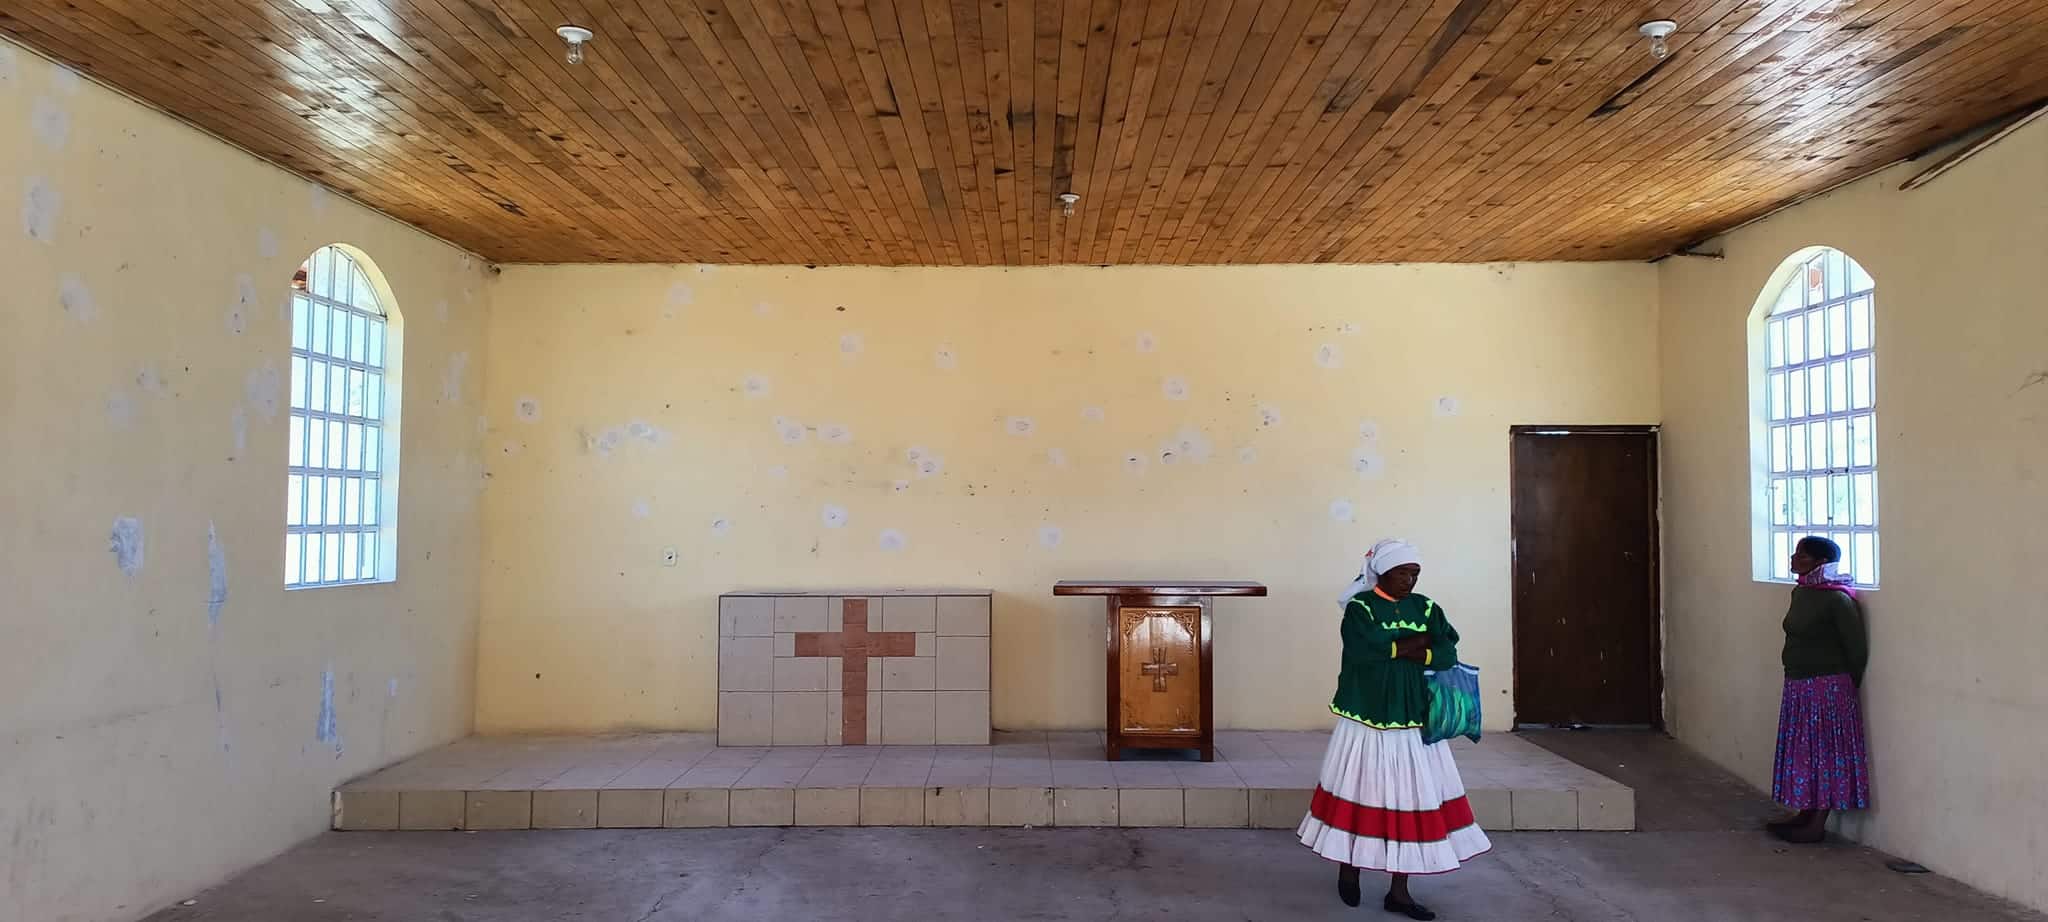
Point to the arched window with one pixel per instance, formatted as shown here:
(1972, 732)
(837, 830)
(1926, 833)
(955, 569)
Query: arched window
(1814, 417)
(341, 499)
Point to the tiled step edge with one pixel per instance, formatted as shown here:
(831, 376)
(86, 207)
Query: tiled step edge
(1603, 808)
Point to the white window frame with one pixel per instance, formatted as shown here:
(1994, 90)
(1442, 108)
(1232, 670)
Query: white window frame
(342, 503)
(1796, 448)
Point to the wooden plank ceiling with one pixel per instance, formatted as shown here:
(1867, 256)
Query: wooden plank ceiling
(941, 131)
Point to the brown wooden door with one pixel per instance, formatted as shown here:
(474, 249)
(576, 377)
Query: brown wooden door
(1586, 583)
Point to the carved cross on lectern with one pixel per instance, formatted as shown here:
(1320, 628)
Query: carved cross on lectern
(1159, 668)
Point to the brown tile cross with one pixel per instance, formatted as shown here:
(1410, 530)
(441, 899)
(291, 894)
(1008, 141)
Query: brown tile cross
(854, 644)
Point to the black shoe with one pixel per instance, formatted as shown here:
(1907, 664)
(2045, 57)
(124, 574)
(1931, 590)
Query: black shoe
(1347, 886)
(1415, 911)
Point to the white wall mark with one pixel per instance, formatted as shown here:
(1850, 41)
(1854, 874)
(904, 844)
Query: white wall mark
(65, 80)
(899, 486)
(528, 410)
(892, 540)
(1368, 430)
(239, 422)
(261, 388)
(125, 543)
(451, 377)
(1147, 342)
(850, 345)
(244, 306)
(1134, 463)
(216, 577)
(76, 299)
(50, 122)
(1328, 356)
(835, 433)
(120, 409)
(1348, 328)
(1448, 406)
(790, 430)
(945, 359)
(1093, 414)
(317, 197)
(1247, 455)
(1021, 425)
(642, 509)
(1367, 463)
(1175, 388)
(328, 730)
(680, 295)
(8, 68)
(1268, 416)
(441, 311)
(930, 465)
(721, 527)
(1050, 536)
(1057, 457)
(266, 243)
(149, 380)
(1342, 511)
(756, 386)
(40, 204)
(779, 471)
(833, 516)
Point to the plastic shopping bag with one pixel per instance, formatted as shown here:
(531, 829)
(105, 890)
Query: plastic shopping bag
(1453, 704)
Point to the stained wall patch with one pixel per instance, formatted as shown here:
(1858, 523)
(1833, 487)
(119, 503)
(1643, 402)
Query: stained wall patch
(40, 204)
(125, 542)
(76, 299)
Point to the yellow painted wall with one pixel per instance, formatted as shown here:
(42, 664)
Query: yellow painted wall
(1955, 690)
(143, 753)
(643, 432)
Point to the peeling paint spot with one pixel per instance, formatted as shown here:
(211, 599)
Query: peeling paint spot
(528, 410)
(603, 443)
(945, 359)
(1368, 429)
(1342, 511)
(647, 432)
(1191, 444)
(930, 465)
(76, 300)
(1268, 417)
(1093, 414)
(1348, 329)
(1447, 406)
(899, 486)
(148, 379)
(329, 728)
(244, 306)
(1368, 463)
(1056, 457)
(239, 421)
(1175, 389)
(261, 388)
(892, 540)
(835, 433)
(126, 544)
(642, 509)
(120, 409)
(1050, 536)
(915, 454)
(50, 122)
(790, 430)
(756, 386)
(833, 516)
(1021, 425)
(1147, 342)
(40, 205)
(850, 345)
(216, 578)
(680, 295)
(1328, 356)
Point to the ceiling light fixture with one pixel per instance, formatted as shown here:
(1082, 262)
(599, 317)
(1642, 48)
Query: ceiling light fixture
(1657, 30)
(576, 36)
(1067, 200)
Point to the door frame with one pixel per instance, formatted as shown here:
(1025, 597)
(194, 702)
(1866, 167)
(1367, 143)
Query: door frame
(1656, 556)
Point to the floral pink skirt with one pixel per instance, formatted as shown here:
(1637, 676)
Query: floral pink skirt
(1822, 762)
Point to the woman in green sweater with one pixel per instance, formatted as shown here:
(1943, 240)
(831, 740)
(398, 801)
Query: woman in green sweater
(1386, 800)
(1822, 761)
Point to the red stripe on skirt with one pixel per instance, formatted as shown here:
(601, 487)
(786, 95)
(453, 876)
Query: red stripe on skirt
(1392, 825)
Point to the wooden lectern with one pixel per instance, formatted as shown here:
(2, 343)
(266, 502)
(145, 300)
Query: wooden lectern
(1161, 684)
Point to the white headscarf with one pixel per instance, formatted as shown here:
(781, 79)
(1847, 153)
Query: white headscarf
(1384, 556)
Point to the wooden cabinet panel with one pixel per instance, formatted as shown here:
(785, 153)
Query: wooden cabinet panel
(1161, 670)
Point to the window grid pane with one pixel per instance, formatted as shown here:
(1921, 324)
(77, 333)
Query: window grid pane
(1820, 400)
(334, 475)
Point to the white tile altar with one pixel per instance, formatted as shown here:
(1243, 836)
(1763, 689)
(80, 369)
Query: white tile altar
(853, 667)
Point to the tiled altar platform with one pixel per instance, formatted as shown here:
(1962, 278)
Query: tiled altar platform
(1259, 779)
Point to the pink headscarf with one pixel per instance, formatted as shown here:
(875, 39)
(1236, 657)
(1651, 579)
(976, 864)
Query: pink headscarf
(1829, 576)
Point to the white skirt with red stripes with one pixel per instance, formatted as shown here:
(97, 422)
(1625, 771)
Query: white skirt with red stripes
(1387, 801)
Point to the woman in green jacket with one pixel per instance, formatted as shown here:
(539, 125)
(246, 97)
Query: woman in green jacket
(1822, 763)
(1386, 800)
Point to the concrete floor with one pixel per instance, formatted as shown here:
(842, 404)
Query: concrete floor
(1697, 858)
